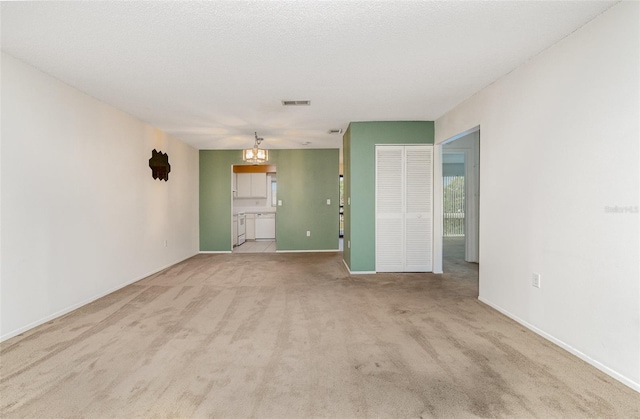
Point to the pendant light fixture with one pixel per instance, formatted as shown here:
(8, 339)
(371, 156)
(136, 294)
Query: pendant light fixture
(256, 155)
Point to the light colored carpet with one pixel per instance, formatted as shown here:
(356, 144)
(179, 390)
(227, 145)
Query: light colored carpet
(294, 336)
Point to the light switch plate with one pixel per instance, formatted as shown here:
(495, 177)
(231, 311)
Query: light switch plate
(328, 202)
(279, 202)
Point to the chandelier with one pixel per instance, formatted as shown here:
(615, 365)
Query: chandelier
(256, 155)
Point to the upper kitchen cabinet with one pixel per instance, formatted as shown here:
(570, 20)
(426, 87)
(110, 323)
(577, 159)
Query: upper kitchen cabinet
(252, 185)
(243, 185)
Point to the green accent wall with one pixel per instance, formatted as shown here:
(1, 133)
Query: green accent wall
(306, 179)
(359, 173)
(215, 198)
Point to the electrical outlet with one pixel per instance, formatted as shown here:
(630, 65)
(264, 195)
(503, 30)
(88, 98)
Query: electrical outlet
(308, 233)
(535, 280)
(349, 201)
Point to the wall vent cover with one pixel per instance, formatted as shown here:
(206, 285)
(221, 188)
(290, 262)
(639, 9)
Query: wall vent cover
(335, 131)
(296, 102)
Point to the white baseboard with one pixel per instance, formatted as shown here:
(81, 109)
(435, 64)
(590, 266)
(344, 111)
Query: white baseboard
(346, 266)
(308, 251)
(624, 380)
(69, 309)
(209, 252)
(356, 272)
(370, 272)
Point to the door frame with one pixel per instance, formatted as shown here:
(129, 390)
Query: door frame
(438, 194)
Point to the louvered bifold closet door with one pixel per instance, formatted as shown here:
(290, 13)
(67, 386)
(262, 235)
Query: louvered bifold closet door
(418, 208)
(389, 209)
(404, 208)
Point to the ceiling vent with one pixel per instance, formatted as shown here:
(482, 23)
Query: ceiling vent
(296, 102)
(335, 131)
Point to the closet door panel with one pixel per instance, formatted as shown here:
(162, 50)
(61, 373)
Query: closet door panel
(418, 245)
(418, 213)
(389, 173)
(389, 209)
(389, 245)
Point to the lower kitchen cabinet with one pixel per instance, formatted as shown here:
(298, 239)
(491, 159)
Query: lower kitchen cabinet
(251, 227)
(265, 226)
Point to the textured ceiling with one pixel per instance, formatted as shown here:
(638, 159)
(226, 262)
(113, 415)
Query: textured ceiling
(212, 73)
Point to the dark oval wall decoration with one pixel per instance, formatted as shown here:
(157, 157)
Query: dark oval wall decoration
(159, 164)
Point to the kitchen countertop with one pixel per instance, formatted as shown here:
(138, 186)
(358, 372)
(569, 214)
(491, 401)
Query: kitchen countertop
(256, 211)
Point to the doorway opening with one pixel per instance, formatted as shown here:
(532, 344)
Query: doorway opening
(453, 187)
(254, 204)
(460, 205)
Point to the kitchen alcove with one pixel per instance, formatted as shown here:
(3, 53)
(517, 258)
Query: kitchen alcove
(253, 207)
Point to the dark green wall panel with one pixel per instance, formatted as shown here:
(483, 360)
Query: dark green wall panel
(306, 179)
(215, 198)
(360, 172)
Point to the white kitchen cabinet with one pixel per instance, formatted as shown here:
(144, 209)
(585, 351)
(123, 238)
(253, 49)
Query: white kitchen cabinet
(265, 226)
(243, 185)
(251, 185)
(251, 226)
(258, 185)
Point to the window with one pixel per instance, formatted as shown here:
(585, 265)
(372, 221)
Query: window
(453, 208)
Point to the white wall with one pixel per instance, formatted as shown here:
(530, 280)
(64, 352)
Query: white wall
(560, 144)
(81, 214)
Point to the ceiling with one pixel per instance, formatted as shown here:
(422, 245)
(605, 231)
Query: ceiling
(212, 73)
